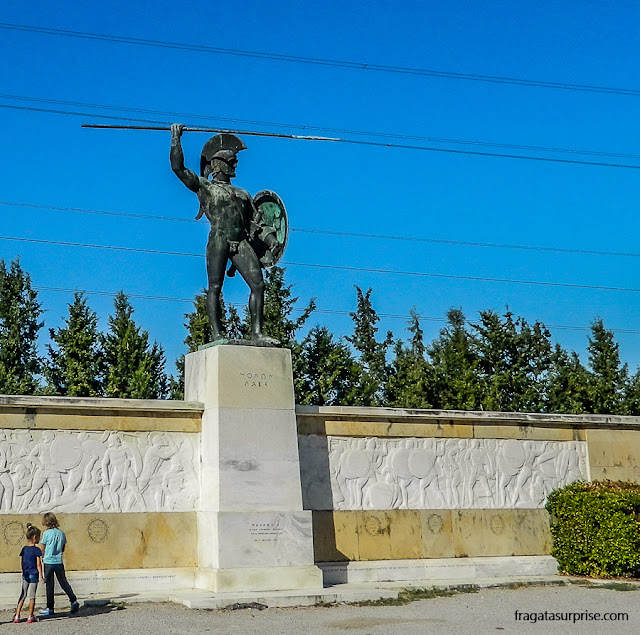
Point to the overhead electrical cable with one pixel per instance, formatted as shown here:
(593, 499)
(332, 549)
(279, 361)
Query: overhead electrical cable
(427, 318)
(341, 234)
(542, 283)
(284, 57)
(162, 125)
(386, 135)
(395, 272)
(362, 142)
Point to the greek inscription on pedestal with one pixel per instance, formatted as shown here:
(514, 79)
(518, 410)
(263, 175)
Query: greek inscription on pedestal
(97, 530)
(256, 380)
(266, 531)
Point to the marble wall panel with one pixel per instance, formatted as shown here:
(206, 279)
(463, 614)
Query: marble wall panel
(110, 541)
(429, 534)
(97, 472)
(344, 473)
(614, 454)
(437, 533)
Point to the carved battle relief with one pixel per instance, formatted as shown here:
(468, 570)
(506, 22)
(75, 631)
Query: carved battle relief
(77, 472)
(411, 473)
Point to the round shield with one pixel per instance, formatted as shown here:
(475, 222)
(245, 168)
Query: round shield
(271, 241)
(66, 452)
(356, 464)
(381, 496)
(400, 463)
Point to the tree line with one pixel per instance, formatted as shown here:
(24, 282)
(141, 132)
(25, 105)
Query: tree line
(497, 362)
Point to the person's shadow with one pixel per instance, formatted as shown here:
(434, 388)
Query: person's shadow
(89, 609)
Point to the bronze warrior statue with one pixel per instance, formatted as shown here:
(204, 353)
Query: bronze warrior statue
(251, 233)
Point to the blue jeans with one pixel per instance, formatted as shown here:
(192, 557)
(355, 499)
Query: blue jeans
(58, 570)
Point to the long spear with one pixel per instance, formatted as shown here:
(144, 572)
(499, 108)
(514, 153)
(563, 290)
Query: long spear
(215, 130)
(377, 144)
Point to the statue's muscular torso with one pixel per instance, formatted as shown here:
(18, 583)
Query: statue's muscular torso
(228, 208)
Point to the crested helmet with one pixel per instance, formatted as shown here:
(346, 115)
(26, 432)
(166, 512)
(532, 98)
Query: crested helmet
(224, 147)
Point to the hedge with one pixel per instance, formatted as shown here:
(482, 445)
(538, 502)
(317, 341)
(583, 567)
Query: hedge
(595, 528)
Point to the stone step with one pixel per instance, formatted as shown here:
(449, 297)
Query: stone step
(437, 569)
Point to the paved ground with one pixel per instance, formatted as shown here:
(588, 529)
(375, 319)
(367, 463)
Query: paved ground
(487, 611)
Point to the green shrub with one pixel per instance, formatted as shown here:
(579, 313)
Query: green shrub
(595, 528)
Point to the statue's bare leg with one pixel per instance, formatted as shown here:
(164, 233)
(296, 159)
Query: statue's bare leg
(217, 254)
(247, 263)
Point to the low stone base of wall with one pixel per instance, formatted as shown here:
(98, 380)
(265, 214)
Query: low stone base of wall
(114, 581)
(438, 570)
(436, 533)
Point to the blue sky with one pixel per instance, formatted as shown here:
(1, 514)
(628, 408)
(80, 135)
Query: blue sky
(48, 159)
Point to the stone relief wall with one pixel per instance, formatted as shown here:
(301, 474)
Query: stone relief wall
(346, 473)
(111, 471)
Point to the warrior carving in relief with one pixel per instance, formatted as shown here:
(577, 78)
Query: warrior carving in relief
(413, 473)
(6, 484)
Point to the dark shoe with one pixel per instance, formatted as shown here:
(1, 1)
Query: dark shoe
(74, 607)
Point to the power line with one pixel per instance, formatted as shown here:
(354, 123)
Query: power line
(377, 144)
(399, 316)
(283, 57)
(387, 135)
(323, 232)
(395, 272)
(80, 210)
(459, 277)
(468, 243)
(361, 142)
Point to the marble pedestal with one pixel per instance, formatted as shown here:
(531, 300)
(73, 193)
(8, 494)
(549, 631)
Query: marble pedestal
(253, 534)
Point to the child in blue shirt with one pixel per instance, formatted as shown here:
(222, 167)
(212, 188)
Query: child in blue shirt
(31, 571)
(54, 542)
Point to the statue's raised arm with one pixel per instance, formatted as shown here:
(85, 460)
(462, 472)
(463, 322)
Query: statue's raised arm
(189, 178)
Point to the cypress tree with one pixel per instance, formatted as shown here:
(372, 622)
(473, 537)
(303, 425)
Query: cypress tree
(279, 305)
(409, 374)
(514, 360)
(568, 385)
(372, 354)
(326, 371)
(454, 382)
(632, 395)
(75, 365)
(134, 369)
(607, 378)
(20, 323)
(197, 324)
